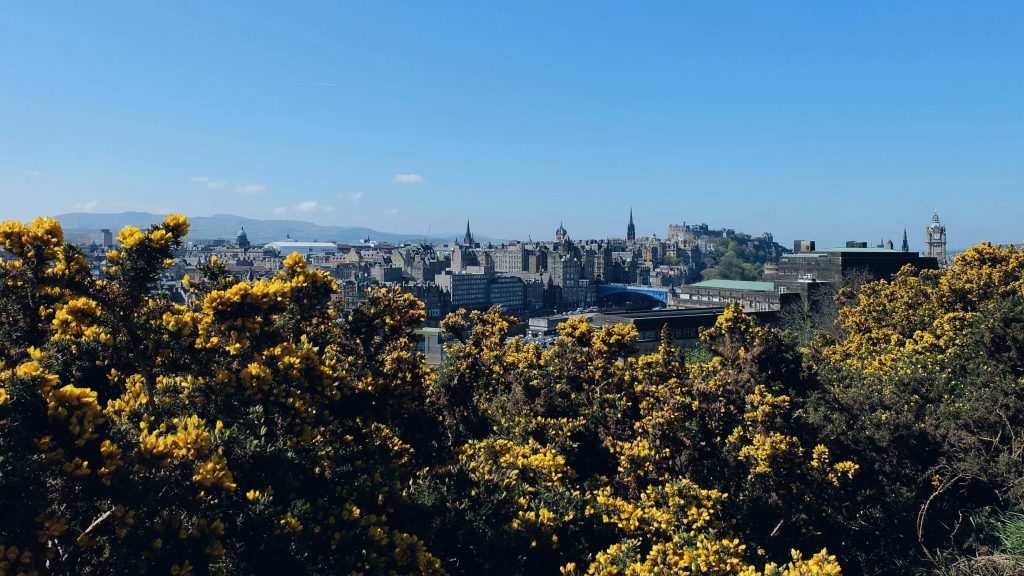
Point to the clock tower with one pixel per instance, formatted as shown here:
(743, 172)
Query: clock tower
(935, 239)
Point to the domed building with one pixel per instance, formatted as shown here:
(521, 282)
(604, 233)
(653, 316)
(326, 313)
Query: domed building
(242, 239)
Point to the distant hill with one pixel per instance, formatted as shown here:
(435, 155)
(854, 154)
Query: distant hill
(82, 227)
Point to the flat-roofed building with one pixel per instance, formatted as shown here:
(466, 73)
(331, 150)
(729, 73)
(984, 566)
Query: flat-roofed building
(509, 292)
(684, 325)
(479, 288)
(832, 264)
(307, 249)
(465, 290)
(545, 326)
(752, 296)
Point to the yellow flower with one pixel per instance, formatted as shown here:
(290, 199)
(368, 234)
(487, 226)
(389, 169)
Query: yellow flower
(177, 224)
(161, 237)
(129, 237)
(214, 472)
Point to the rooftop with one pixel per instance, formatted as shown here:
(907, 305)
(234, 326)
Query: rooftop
(296, 244)
(662, 313)
(737, 285)
(862, 250)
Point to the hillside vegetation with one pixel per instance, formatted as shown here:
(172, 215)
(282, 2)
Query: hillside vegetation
(736, 260)
(259, 430)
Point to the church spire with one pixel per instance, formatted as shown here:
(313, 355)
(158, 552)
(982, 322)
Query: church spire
(468, 238)
(905, 247)
(631, 229)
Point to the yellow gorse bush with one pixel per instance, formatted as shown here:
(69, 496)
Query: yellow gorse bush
(257, 428)
(179, 408)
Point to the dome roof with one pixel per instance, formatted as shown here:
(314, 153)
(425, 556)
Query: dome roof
(242, 239)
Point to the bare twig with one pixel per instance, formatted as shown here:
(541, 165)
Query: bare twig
(923, 514)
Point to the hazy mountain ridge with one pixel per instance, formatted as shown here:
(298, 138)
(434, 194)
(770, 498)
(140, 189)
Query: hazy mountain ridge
(80, 227)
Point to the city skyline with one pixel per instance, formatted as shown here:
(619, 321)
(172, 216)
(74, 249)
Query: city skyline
(839, 122)
(404, 236)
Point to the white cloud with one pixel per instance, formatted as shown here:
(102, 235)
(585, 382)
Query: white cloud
(307, 206)
(35, 173)
(391, 211)
(250, 188)
(357, 197)
(85, 206)
(408, 178)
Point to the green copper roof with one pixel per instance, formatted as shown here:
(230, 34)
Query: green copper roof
(737, 285)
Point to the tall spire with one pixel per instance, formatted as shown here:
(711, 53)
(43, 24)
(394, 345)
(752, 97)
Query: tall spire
(905, 247)
(630, 229)
(561, 235)
(468, 238)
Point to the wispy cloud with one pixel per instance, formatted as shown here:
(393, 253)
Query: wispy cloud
(311, 206)
(85, 206)
(307, 206)
(391, 211)
(250, 188)
(408, 178)
(357, 197)
(209, 182)
(35, 173)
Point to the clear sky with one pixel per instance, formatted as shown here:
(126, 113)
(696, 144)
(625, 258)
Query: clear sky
(820, 119)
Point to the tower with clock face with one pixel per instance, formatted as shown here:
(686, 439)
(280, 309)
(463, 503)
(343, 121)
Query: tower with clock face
(935, 239)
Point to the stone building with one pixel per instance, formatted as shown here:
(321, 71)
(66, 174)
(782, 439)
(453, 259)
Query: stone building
(935, 239)
(509, 258)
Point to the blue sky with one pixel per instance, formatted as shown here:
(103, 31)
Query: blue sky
(829, 120)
